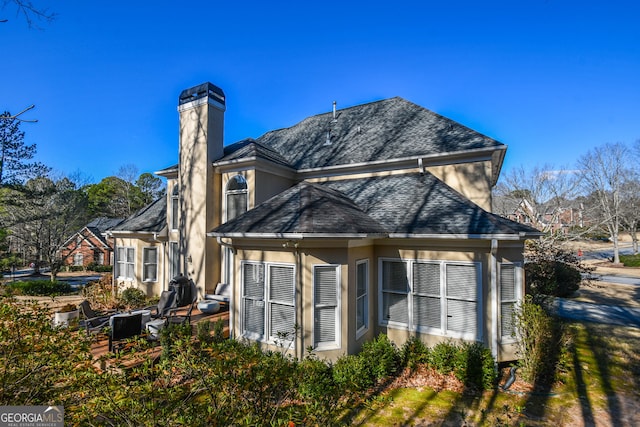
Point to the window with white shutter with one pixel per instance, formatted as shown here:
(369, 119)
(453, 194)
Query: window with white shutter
(282, 315)
(427, 312)
(362, 297)
(509, 297)
(326, 297)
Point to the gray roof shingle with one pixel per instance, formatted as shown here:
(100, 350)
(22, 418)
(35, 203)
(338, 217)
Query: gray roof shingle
(306, 208)
(150, 219)
(389, 129)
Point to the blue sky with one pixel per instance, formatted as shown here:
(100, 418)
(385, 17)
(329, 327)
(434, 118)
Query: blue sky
(549, 78)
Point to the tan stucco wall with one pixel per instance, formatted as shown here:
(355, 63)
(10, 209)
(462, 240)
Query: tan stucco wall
(139, 243)
(346, 256)
(473, 180)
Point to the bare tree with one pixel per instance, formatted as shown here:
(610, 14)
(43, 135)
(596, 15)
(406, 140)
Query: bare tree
(544, 194)
(28, 11)
(604, 171)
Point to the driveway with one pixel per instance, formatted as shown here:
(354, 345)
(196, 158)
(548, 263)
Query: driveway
(598, 313)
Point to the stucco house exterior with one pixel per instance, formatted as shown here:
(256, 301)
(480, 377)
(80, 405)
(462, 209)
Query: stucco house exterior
(364, 220)
(92, 244)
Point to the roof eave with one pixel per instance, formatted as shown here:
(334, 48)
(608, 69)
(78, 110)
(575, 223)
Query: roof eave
(299, 236)
(488, 236)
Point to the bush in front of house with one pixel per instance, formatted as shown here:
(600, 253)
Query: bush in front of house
(99, 268)
(630, 260)
(39, 287)
(133, 297)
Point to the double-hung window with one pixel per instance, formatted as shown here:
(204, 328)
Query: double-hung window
(326, 306)
(236, 196)
(510, 294)
(125, 262)
(268, 301)
(175, 208)
(362, 297)
(438, 297)
(150, 264)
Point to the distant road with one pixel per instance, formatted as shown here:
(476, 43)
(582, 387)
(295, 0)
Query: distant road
(598, 313)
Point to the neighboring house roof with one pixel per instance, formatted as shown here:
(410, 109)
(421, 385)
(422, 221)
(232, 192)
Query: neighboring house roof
(389, 129)
(150, 219)
(98, 227)
(411, 205)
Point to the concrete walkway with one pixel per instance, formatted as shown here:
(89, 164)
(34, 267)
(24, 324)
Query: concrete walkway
(598, 313)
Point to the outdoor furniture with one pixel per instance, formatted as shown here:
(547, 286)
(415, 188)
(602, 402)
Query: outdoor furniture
(209, 306)
(166, 303)
(222, 294)
(94, 321)
(153, 328)
(124, 326)
(190, 300)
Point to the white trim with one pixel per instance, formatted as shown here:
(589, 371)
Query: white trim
(508, 339)
(363, 330)
(493, 298)
(144, 264)
(336, 344)
(119, 264)
(441, 331)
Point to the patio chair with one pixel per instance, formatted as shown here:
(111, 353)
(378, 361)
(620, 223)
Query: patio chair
(124, 326)
(222, 294)
(189, 302)
(94, 321)
(166, 303)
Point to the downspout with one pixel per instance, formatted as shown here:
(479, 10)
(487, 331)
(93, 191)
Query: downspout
(232, 306)
(494, 299)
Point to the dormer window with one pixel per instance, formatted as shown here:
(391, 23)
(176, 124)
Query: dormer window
(236, 193)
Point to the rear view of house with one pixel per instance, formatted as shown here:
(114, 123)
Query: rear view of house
(364, 220)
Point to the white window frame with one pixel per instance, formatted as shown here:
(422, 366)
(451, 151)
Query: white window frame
(444, 298)
(146, 263)
(175, 209)
(78, 259)
(268, 301)
(514, 301)
(317, 306)
(240, 192)
(360, 331)
(128, 265)
(174, 259)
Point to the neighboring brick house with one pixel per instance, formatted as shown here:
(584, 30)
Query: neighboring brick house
(366, 220)
(92, 244)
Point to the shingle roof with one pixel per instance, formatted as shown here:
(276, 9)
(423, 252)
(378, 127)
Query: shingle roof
(306, 208)
(389, 129)
(250, 148)
(100, 225)
(423, 205)
(152, 218)
(396, 205)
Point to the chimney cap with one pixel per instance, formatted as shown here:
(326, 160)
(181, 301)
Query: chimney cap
(202, 91)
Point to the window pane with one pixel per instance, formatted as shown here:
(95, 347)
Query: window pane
(507, 282)
(282, 320)
(361, 278)
(426, 278)
(253, 316)
(174, 213)
(130, 272)
(395, 308)
(325, 286)
(462, 316)
(361, 313)
(427, 311)
(253, 281)
(325, 325)
(461, 281)
(236, 205)
(150, 272)
(130, 255)
(507, 318)
(394, 276)
(281, 284)
(237, 183)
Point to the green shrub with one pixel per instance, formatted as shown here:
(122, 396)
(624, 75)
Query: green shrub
(414, 353)
(474, 366)
(98, 268)
(40, 287)
(442, 357)
(630, 260)
(381, 356)
(133, 297)
(75, 268)
(540, 342)
(351, 374)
